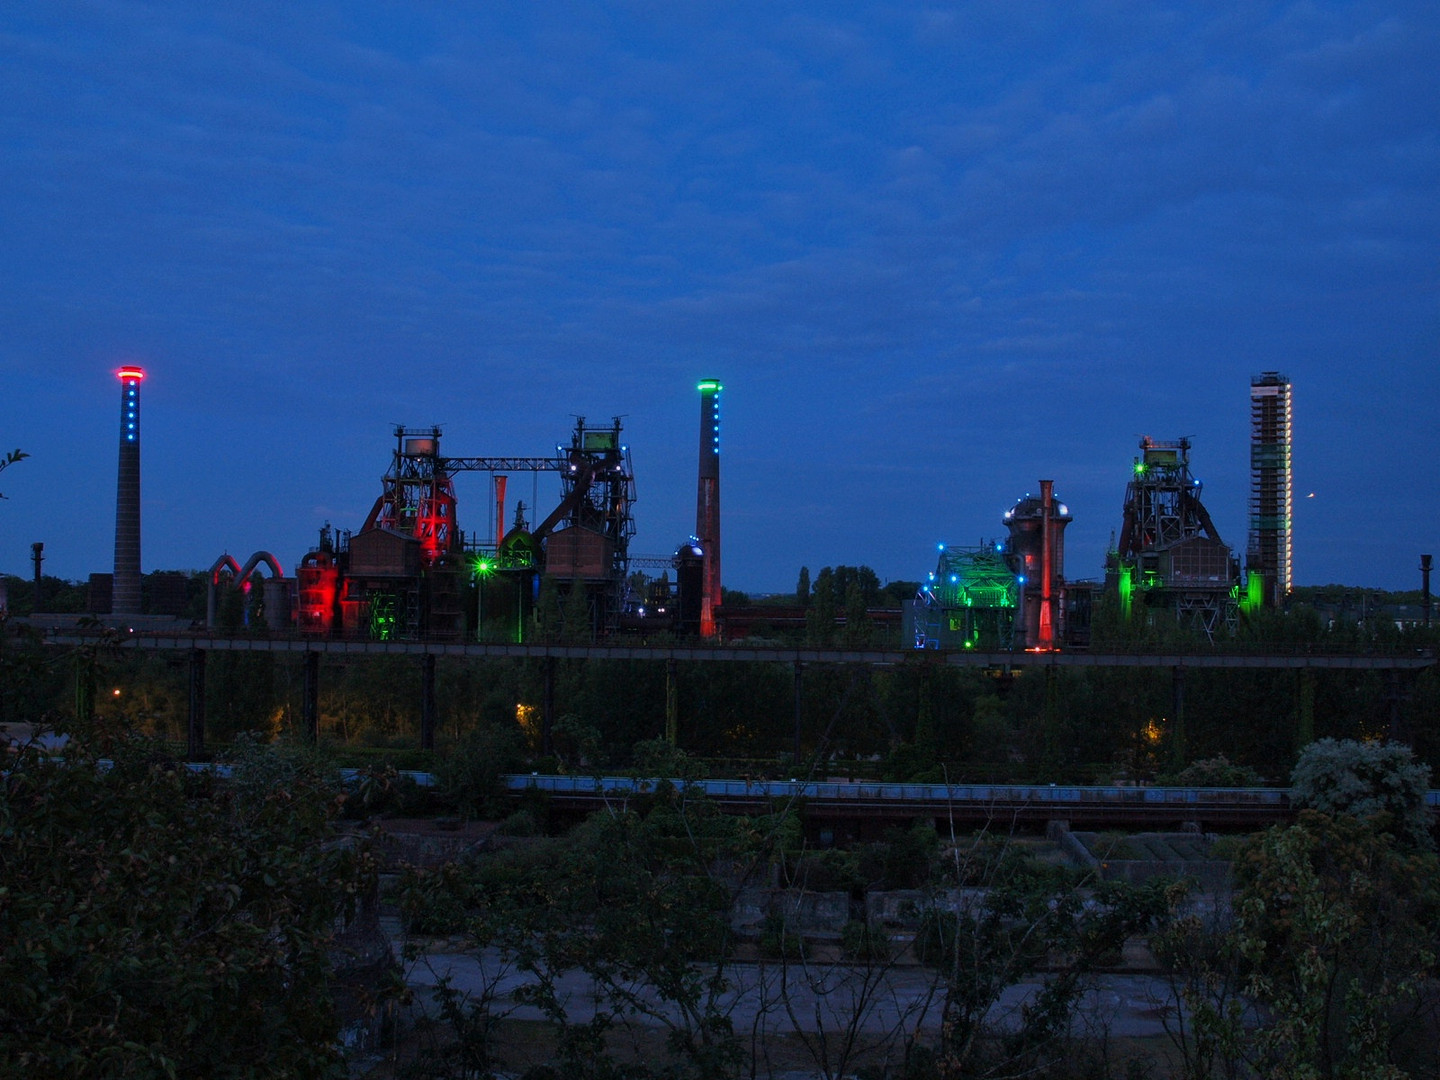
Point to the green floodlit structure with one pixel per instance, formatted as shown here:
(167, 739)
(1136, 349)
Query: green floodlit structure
(1252, 598)
(1170, 562)
(970, 601)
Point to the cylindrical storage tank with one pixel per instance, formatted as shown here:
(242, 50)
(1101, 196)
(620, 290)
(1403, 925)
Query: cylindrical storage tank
(276, 591)
(689, 565)
(1024, 520)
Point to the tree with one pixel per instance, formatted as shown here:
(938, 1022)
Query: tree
(802, 587)
(820, 615)
(1018, 918)
(1342, 776)
(637, 899)
(10, 459)
(158, 922)
(857, 620)
(1337, 924)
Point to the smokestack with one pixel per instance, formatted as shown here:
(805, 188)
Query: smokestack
(499, 510)
(1047, 565)
(126, 597)
(1426, 561)
(37, 556)
(707, 503)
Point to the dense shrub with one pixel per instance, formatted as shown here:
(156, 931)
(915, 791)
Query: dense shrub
(159, 922)
(1363, 780)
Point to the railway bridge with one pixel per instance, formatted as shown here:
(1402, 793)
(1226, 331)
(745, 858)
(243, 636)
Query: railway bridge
(865, 808)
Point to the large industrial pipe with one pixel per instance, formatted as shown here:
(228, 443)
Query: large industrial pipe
(499, 510)
(224, 562)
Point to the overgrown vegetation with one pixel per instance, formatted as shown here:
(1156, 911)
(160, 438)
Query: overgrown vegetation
(159, 922)
(916, 722)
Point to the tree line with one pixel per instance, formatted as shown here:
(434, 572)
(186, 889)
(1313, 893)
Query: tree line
(909, 722)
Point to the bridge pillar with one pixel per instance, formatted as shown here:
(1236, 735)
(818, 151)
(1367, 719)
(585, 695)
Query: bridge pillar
(799, 705)
(1304, 709)
(310, 699)
(195, 719)
(672, 703)
(547, 708)
(1395, 697)
(1178, 750)
(427, 702)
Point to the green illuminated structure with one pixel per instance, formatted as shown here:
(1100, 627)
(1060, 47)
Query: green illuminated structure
(1170, 561)
(969, 602)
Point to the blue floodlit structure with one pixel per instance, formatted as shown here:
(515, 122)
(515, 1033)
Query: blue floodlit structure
(968, 602)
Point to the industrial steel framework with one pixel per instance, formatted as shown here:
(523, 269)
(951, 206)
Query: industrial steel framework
(969, 601)
(1271, 494)
(583, 543)
(1170, 552)
(417, 495)
(587, 537)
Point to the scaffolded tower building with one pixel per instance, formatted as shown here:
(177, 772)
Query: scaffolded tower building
(1271, 495)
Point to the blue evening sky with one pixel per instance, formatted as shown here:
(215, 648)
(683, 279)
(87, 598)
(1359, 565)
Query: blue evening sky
(935, 253)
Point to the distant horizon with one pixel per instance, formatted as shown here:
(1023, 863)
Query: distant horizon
(771, 592)
(934, 257)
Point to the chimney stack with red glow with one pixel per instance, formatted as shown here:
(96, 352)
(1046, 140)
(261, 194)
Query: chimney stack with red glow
(707, 503)
(125, 599)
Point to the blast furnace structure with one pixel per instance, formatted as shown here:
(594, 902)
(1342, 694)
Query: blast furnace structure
(1170, 558)
(410, 571)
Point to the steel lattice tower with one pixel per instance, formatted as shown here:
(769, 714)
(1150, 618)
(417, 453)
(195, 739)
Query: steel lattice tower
(1271, 494)
(125, 597)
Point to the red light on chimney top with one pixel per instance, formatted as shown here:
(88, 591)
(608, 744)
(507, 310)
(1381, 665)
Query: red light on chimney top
(131, 372)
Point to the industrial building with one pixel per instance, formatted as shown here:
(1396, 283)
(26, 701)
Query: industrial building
(1005, 594)
(410, 571)
(1170, 562)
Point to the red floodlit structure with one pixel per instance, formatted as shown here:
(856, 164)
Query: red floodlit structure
(1036, 554)
(410, 572)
